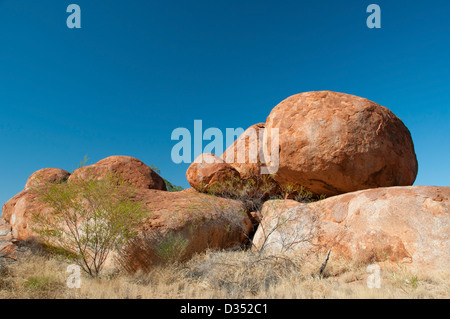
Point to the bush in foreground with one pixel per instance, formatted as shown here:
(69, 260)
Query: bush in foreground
(88, 219)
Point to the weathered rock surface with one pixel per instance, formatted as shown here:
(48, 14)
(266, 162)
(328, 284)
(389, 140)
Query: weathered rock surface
(244, 154)
(8, 250)
(203, 220)
(128, 168)
(207, 170)
(334, 143)
(18, 212)
(406, 225)
(47, 175)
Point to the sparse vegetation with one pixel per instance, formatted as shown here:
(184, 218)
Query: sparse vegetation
(254, 192)
(221, 274)
(90, 219)
(87, 219)
(151, 249)
(172, 248)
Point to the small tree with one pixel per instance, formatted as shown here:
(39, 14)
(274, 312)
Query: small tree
(88, 219)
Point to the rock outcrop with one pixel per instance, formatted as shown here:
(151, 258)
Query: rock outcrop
(18, 210)
(406, 225)
(334, 143)
(130, 169)
(330, 143)
(202, 220)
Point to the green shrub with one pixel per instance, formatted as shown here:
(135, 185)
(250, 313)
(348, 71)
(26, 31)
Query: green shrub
(172, 248)
(88, 219)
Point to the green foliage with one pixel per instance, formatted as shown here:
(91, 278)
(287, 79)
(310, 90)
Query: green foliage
(170, 187)
(172, 248)
(151, 248)
(299, 193)
(155, 169)
(414, 281)
(258, 189)
(88, 219)
(41, 282)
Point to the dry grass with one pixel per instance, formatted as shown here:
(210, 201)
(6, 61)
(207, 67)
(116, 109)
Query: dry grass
(225, 274)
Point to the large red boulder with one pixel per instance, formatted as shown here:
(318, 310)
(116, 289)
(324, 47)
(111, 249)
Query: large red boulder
(130, 169)
(334, 143)
(47, 175)
(200, 221)
(405, 225)
(208, 170)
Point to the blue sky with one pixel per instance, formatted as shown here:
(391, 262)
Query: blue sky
(137, 70)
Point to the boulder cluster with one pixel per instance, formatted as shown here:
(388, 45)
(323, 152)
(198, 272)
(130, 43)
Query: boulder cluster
(352, 150)
(174, 212)
(331, 143)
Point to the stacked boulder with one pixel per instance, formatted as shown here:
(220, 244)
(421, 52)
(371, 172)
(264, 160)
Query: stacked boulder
(330, 143)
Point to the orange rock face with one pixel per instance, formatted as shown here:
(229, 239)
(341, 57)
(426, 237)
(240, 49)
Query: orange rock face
(407, 225)
(128, 168)
(7, 248)
(47, 175)
(203, 218)
(248, 166)
(204, 173)
(203, 221)
(333, 143)
(18, 212)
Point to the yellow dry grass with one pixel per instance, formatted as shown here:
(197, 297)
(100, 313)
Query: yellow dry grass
(224, 274)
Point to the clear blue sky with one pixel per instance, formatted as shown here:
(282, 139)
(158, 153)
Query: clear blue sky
(137, 70)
